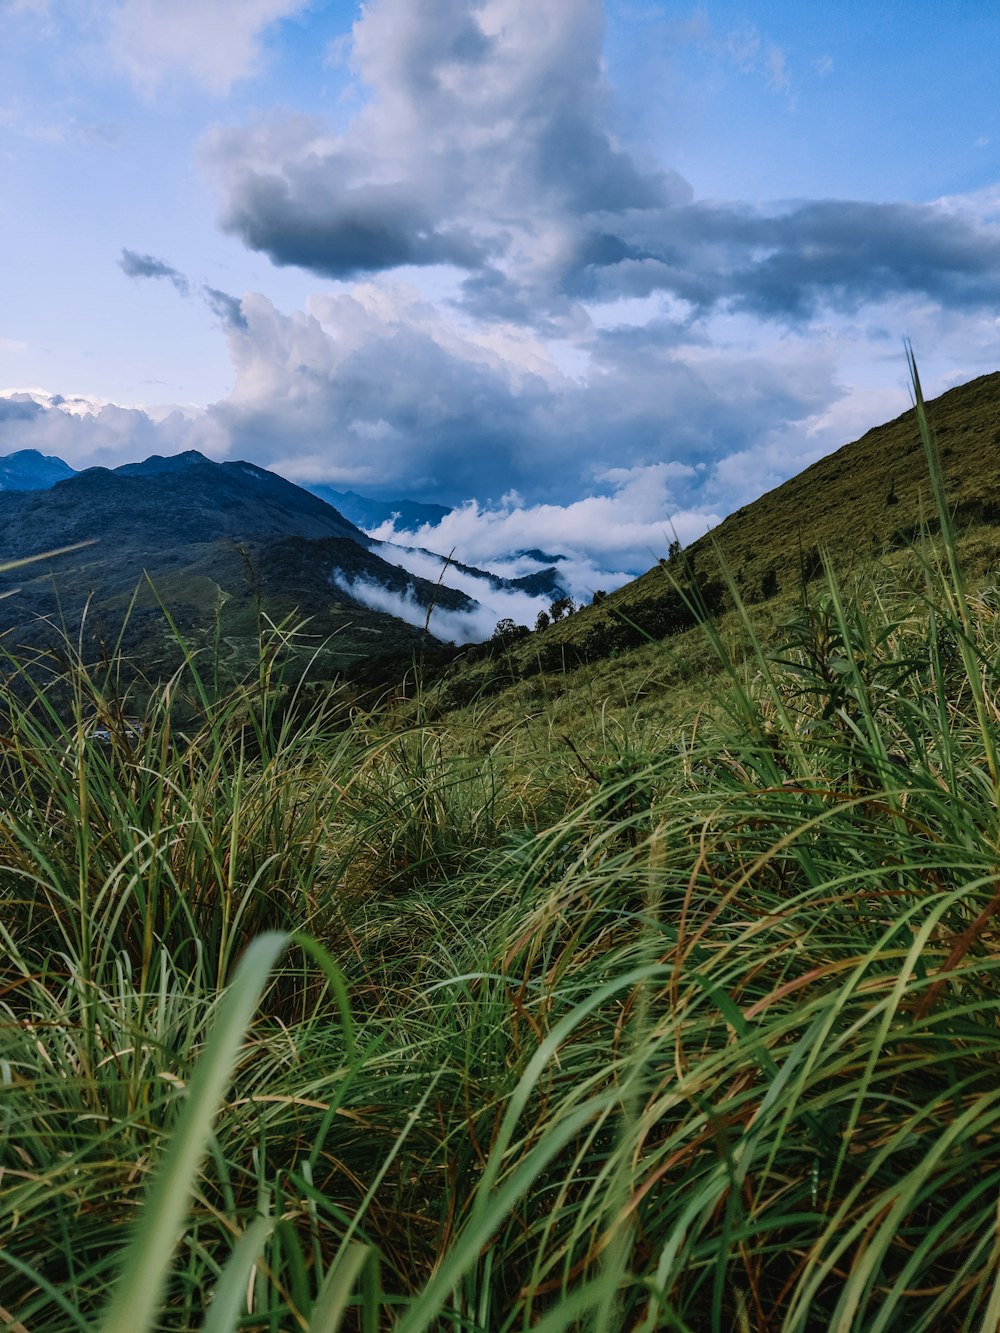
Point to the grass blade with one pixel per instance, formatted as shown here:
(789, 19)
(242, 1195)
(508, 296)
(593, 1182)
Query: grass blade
(147, 1259)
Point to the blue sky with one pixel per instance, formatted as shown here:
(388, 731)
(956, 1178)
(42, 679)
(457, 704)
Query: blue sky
(585, 271)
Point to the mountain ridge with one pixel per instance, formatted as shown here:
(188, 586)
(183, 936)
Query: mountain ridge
(868, 495)
(220, 543)
(29, 470)
(367, 512)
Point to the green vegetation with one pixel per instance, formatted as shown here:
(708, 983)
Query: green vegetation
(387, 1019)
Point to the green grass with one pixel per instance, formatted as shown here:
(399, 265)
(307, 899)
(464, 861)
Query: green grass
(561, 1015)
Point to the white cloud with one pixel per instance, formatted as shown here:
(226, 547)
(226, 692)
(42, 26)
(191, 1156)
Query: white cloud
(451, 626)
(86, 432)
(485, 144)
(536, 299)
(606, 539)
(210, 42)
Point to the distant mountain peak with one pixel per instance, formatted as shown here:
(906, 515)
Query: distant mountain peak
(29, 470)
(543, 557)
(156, 464)
(405, 515)
(32, 456)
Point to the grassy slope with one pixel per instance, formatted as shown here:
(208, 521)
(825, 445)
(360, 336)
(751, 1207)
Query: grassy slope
(639, 1027)
(839, 505)
(842, 503)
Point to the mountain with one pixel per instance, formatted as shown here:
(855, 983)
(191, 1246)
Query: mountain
(869, 495)
(193, 500)
(220, 542)
(543, 557)
(28, 470)
(409, 515)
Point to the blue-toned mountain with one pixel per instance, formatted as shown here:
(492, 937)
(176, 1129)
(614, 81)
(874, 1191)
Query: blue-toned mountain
(407, 515)
(29, 470)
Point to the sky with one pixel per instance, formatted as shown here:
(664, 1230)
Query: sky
(594, 274)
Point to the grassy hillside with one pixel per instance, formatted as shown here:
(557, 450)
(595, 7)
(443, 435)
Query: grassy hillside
(871, 497)
(329, 1019)
(872, 494)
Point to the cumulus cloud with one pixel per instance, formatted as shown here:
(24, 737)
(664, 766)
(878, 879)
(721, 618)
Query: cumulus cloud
(487, 145)
(379, 385)
(520, 297)
(134, 265)
(605, 539)
(88, 433)
(209, 42)
(305, 215)
(385, 391)
(829, 253)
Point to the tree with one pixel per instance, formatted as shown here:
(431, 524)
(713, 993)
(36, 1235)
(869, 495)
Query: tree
(508, 631)
(562, 606)
(542, 620)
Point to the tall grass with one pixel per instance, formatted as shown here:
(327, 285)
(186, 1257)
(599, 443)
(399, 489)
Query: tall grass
(694, 1035)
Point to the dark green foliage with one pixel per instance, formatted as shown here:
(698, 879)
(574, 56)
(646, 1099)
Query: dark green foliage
(508, 632)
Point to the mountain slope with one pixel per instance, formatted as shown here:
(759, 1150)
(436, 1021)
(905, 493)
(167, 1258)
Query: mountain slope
(29, 470)
(193, 501)
(221, 543)
(868, 497)
(409, 515)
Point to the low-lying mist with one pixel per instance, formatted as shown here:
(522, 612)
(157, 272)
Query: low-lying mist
(472, 626)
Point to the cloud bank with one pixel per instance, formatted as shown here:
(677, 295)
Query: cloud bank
(488, 144)
(605, 539)
(516, 297)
